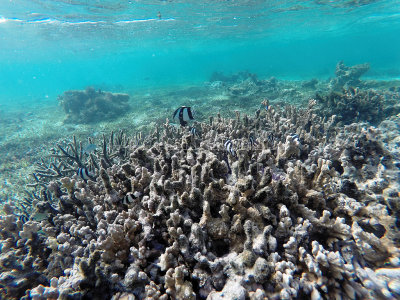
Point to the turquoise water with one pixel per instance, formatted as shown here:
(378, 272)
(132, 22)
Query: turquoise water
(47, 47)
(311, 193)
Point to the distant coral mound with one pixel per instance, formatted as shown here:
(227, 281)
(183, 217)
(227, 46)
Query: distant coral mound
(233, 78)
(91, 106)
(244, 86)
(356, 105)
(348, 76)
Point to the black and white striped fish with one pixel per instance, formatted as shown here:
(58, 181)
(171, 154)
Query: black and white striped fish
(252, 141)
(138, 137)
(229, 148)
(130, 198)
(23, 218)
(193, 132)
(83, 173)
(183, 114)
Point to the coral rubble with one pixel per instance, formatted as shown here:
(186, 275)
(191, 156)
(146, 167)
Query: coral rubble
(90, 106)
(174, 216)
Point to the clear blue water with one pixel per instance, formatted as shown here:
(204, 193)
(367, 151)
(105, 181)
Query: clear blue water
(47, 47)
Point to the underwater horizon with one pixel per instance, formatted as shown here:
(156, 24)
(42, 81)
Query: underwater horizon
(170, 149)
(48, 47)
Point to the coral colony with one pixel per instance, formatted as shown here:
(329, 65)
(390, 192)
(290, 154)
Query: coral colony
(284, 204)
(90, 106)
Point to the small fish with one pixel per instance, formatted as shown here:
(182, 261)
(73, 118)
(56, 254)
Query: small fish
(138, 137)
(193, 132)
(265, 104)
(83, 173)
(229, 148)
(294, 137)
(184, 114)
(89, 148)
(39, 216)
(130, 198)
(252, 141)
(23, 218)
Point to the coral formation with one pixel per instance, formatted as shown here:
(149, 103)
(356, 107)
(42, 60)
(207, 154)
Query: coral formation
(89, 105)
(302, 215)
(356, 105)
(348, 76)
(232, 78)
(244, 88)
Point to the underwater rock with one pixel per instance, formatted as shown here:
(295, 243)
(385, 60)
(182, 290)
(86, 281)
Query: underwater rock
(91, 106)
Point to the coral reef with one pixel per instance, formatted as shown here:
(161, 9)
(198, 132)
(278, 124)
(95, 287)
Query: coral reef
(22, 256)
(245, 88)
(348, 76)
(232, 78)
(241, 86)
(356, 105)
(90, 106)
(308, 213)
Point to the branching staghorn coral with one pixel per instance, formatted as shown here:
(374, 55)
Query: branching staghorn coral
(289, 218)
